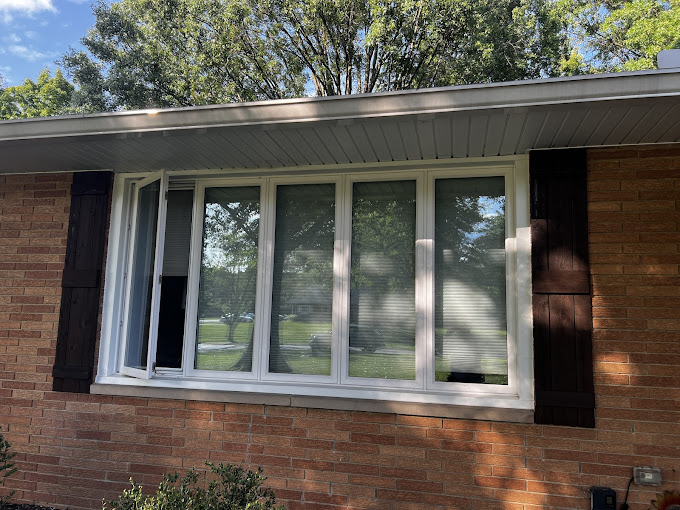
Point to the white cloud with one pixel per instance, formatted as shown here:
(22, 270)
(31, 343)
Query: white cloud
(30, 54)
(11, 38)
(8, 8)
(26, 6)
(30, 34)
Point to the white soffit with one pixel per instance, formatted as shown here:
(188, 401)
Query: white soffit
(452, 122)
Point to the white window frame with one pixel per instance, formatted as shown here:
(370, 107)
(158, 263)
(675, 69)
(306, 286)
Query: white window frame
(517, 394)
(162, 179)
(419, 382)
(191, 320)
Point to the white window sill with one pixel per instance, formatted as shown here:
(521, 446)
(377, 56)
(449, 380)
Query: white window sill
(479, 407)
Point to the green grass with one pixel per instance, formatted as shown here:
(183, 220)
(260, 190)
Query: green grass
(217, 333)
(382, 366)
(298, 333)
(221, 361)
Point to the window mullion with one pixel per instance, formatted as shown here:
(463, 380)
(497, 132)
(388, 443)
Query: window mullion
(343, 235)
(190, 328)
(265, 278)
(430, 300)
(422, 280)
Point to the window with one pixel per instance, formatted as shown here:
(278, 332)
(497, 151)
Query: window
(406, 284)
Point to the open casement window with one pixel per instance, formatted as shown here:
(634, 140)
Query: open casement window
(144, 276)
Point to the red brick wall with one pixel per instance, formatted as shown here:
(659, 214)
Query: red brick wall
(76, 449)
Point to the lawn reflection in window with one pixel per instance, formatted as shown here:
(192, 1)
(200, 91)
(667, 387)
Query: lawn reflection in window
(228, 279)
(470, 303)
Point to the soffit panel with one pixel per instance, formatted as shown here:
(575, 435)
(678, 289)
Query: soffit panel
(455, 134)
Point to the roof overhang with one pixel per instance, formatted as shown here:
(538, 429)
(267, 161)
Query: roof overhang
(499, 119)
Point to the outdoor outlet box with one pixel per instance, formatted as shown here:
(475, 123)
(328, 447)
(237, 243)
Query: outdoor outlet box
(643, 475)
(602, 498)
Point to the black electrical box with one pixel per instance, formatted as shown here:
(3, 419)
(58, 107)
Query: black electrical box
(602, 498)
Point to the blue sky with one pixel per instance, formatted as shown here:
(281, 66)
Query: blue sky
(35, 33)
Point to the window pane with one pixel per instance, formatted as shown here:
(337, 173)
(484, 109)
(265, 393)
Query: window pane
(470, 321)
(141, 283)
(175, 276)
(226, 303)
(382, 296)
(302, 293)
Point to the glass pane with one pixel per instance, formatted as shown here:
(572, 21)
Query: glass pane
(226, 302)
(470, 321)
(175, 275)
(302, 294)
(382, 296)
(141, 277)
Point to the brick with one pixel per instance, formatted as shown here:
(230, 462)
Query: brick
(323, 459)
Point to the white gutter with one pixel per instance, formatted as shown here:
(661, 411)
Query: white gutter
(530, 93)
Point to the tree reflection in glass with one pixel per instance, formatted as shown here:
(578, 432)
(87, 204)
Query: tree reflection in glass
(470, 316)
(302, 293)
(226, 303)
(382, 283)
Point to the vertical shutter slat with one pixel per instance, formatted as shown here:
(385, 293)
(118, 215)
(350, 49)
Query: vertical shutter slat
(81, 282)
(561, 302)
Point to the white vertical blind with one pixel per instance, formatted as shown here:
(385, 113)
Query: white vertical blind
(178, 233)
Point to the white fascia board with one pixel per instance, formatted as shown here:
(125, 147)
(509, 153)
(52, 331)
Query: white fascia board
(508, 95)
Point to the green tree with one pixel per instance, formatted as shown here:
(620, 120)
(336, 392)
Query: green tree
(623, 35)
(143, 53)
(43, 98)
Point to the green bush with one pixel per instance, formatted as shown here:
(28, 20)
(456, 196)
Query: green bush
(6, 466)
(234, 489)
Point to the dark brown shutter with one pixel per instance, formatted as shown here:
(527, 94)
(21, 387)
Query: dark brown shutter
(81, 282)
(563, 358)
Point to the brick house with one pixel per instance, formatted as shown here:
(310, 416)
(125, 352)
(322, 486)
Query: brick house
(500, 264)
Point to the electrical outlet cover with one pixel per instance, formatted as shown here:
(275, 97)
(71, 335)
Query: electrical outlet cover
(644, 475)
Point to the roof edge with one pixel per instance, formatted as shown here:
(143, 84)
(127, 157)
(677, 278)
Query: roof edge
(515, 94)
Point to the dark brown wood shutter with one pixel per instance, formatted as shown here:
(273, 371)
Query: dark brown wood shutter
(81, 282)
(562, 308)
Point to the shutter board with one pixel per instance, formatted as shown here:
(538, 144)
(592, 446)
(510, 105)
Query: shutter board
(562, 308)
(81, 282)
(73, 278)
(561, 282)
